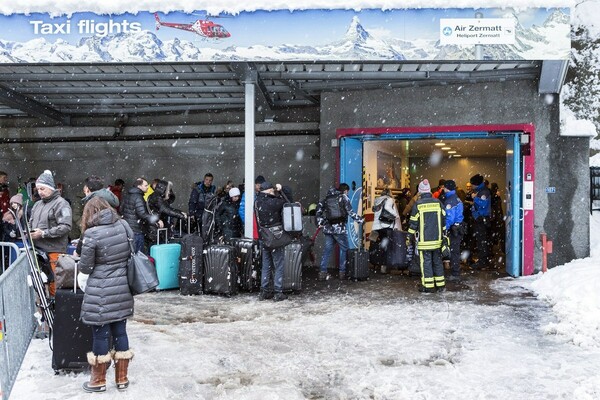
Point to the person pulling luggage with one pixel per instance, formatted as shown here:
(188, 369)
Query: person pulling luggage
(332, 216)
(481, 210)
(454, 227)
(428, 218)
(386, 219)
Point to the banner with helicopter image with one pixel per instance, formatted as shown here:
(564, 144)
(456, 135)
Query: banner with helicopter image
(310, 35)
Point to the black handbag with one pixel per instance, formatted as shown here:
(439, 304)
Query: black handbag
(385, 216)
(274, 237)
(141, 273)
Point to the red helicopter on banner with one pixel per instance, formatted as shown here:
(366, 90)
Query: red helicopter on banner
(203, 27)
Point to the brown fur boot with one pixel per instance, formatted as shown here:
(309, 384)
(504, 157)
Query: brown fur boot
(122, 359)
(99, 365)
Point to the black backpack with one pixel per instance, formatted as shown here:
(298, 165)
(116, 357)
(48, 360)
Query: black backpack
(334, 209)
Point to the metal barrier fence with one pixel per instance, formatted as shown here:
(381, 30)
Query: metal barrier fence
(17, 308)
(594, 187)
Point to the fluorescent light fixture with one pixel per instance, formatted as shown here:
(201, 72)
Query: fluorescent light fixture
(446, 148)
(509, 152)
(440, 144)
(457, 155)
(452, 152)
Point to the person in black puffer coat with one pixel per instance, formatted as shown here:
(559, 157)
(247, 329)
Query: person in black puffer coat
(227, 219)
(107, 302)
(159, 205)
(135, 211)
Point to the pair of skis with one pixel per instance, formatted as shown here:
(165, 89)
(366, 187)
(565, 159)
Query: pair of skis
(35, 272)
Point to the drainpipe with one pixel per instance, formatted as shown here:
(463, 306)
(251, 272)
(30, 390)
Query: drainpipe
(546, 249)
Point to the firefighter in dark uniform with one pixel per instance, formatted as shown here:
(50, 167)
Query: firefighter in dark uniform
(428, 218)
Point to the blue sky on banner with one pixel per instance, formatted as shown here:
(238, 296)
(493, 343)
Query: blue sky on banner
(314, 27)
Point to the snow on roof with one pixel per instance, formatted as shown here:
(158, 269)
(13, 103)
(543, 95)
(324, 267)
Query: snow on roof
(58, 7)
(571, 126)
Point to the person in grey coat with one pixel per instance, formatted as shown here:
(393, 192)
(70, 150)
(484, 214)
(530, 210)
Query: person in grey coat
(107, 302)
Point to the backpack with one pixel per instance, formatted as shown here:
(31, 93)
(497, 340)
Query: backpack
(209, 228)
(334, 209)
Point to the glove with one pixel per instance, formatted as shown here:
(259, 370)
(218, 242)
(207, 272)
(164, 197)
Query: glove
(456, 229)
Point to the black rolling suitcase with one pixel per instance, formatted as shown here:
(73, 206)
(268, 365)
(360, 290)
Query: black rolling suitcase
(292, 267)
(357, 264)
(414, 263)
(71, 338)
(396, 256)
(191, 265)
(248, 259)
(377, 256)
(220, 270)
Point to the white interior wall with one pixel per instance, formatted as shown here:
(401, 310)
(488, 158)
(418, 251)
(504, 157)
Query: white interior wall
(459, 169)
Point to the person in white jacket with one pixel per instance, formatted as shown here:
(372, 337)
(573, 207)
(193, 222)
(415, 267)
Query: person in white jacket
(386, 219)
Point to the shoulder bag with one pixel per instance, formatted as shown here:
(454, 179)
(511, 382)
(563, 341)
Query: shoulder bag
(141, 273)
(272, 237)
(385, 216)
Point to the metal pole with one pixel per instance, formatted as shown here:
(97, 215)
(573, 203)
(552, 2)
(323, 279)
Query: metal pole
(478, 47)
(249, 160)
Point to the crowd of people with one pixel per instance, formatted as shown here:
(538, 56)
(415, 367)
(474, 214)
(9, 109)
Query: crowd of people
(470, 222)
(446, 217)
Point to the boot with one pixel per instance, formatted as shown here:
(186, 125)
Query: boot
(122, 359)
(265, 295)
(99, 365)
(279, 296)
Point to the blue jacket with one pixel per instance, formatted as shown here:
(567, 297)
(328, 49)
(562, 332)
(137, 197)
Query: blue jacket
(454, 209)
(242, 208)
(482, 203)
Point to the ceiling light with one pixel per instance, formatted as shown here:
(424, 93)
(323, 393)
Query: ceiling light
(509, 152)
(456, 155)
(440, 144)
(446, 148)
(452, 152)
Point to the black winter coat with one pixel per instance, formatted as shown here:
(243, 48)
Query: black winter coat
(104, 256)
(228, 220)
(269, 209)
(135, 211)
(160, 206)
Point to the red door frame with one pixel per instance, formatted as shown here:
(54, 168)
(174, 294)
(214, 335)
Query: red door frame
(528, 165)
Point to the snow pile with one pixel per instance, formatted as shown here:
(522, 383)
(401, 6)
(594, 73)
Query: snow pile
(570, 125)
(572, 290)
(58, 7)
(586, 14)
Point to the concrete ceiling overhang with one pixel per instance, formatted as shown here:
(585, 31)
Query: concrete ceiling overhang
(59, 92)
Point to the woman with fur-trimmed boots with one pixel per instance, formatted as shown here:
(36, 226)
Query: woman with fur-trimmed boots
(107, 302)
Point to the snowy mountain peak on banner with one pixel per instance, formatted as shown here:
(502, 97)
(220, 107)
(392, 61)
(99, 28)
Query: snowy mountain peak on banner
(360, 44)
(356, 33)
(557, 18)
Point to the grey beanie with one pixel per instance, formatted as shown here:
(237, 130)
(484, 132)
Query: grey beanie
(46, 179)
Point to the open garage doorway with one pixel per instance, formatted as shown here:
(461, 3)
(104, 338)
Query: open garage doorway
(397, 158)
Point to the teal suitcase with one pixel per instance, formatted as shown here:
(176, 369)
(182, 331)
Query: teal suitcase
(166, 258)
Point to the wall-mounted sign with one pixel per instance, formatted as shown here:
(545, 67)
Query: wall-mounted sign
(550, 189)
(468, 31)
(309, 35)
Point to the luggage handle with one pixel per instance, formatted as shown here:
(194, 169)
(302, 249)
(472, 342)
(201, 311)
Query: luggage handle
(75, 277)
(189, 226)
(158, 231)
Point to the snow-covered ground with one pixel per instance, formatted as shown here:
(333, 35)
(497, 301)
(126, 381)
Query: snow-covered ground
(490, 338)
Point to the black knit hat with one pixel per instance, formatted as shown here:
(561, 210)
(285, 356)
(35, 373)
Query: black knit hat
(259, 179)
(450, 185)
(476, 180)
(266, 185)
